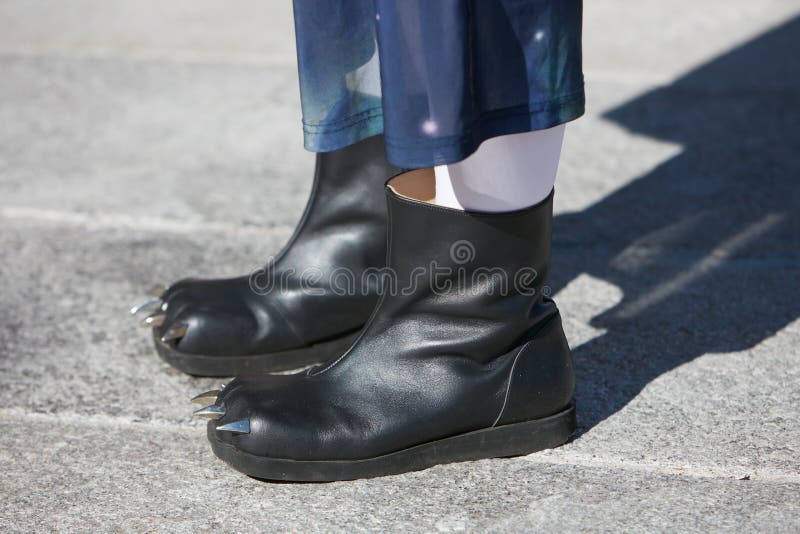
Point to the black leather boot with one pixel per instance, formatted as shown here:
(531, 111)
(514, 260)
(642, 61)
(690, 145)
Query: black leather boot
(463, 359)
(292, 313)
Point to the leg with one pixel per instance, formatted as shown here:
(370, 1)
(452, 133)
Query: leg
(505, 173)
(464, 356)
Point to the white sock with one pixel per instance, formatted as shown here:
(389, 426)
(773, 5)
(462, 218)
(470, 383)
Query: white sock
(506, 173)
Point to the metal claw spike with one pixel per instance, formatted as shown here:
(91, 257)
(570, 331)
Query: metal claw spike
(152, 302)
(210, 412)
(237, 427)
(206, 396)
(156, 291)
(175, 332)
(154, 320)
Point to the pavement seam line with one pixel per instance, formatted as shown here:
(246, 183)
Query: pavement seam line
(102, 221)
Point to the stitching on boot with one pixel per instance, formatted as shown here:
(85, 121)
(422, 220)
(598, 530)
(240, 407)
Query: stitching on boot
(382, 296)
(508, 386)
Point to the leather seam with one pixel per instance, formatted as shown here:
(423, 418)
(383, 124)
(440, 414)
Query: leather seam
(312, 200)
(508, 385)
(277, 308)
(338, 360)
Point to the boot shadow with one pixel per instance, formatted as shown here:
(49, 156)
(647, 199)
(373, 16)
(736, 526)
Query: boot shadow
(704, 247)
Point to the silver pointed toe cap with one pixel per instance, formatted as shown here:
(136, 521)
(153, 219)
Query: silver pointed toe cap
(237, 427)
(152, 302)
(206, 397)
(210, 412)
(154, 320)
(175, 332)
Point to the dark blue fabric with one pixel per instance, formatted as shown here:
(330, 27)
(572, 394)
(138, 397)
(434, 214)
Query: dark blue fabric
(437, 77)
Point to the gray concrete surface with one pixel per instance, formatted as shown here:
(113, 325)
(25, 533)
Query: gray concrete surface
(143, 142)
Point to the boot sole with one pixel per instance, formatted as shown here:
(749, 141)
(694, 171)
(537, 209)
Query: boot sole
(515, 439)
(224, 366)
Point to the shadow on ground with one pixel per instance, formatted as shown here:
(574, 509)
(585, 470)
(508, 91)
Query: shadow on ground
(704, 247)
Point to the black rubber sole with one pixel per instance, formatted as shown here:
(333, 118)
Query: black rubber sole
(497, 442)
(223, 366)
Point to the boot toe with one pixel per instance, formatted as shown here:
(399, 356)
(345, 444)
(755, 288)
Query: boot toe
(255, 421)
(223, 318)
(210, 332)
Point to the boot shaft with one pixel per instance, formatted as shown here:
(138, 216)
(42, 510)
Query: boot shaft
(479, 276)
(344, 222)
(348, 183)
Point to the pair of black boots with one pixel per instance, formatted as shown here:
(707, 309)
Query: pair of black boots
(431, 339)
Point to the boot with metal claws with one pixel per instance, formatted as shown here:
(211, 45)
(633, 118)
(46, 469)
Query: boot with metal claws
(308, 304)
(464, 358)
